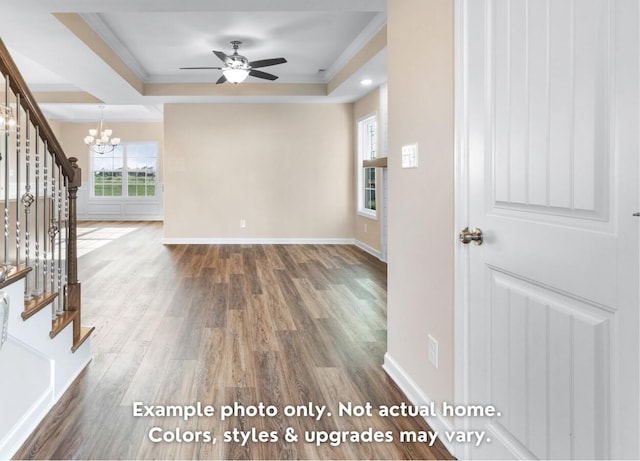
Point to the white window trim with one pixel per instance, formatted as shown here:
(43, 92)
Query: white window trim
(360, 209)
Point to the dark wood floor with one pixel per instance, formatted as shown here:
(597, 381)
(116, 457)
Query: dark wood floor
(219, 324)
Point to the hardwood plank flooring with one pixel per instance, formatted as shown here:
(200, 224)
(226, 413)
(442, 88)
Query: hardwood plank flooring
(220, 325)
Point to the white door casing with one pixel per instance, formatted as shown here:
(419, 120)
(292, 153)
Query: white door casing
(547, 166)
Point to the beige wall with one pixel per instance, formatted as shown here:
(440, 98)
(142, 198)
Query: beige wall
(421, 201)
(56, 127)
(367, 230)
(287, 169)
(71, 138)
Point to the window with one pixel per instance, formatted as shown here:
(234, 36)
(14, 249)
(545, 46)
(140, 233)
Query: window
(367, 143)
(141, 170)
(107, 173)
(129, 171)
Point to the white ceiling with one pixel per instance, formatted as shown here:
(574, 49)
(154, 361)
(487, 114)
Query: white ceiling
(154, 38)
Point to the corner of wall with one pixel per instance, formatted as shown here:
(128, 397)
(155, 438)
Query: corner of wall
(421, 200)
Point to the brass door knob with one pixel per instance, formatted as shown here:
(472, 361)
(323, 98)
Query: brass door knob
(467, 236)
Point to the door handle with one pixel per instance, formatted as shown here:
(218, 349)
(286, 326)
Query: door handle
(467, 236)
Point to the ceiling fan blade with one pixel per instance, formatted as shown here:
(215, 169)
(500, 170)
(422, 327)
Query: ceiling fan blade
(267, 62)
(221, 56)
(221, 79)
(260, 74)
(189, 68)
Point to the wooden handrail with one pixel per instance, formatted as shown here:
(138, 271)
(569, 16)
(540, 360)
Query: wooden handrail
(28, 102)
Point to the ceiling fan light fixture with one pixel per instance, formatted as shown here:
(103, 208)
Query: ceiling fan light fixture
(235, 75)
(237, 67)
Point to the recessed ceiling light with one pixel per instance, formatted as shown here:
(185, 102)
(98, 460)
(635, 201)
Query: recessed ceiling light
(366, 82)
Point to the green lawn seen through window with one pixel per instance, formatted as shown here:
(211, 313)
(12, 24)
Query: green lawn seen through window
(111, 186)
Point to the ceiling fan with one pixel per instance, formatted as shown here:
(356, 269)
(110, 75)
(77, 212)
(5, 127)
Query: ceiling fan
(237, 67)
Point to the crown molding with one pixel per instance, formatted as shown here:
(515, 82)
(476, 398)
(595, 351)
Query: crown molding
(100, 27)
(376, 25)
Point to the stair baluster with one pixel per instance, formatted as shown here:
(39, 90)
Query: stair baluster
(42, 225)
(37, 291)
(6, 264)
(60, 299)
(46, 217)
(17, 168)
(53, 231)
(27, 200)
(65, 267)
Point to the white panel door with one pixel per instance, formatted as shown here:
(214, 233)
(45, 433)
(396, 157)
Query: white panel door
(547, 319)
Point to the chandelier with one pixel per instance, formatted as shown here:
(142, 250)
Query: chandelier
(104, 143)
(7, 119)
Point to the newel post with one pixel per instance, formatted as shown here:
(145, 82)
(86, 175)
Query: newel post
(73, 286)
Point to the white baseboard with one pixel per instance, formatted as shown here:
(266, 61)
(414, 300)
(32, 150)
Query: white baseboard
(29, 421)
(100, 217)
(417, 397)
(12, 442)
(272, 241)
(254, 241)
(372, 251)
(61, 389)
(19, 433)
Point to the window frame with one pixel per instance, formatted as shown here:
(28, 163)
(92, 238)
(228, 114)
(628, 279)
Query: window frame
(364, 142)
(125, 175)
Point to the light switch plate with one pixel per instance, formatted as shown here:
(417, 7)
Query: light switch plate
(410, 156)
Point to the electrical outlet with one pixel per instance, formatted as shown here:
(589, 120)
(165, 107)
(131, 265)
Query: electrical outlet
(366, 227)
(243, 224)
(433, 351)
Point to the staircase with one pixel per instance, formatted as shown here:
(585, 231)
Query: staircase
(44, 346)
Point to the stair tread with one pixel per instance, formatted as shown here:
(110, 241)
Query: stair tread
(85, 332)
(61, 322)
(15, 274)
(37, 304)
